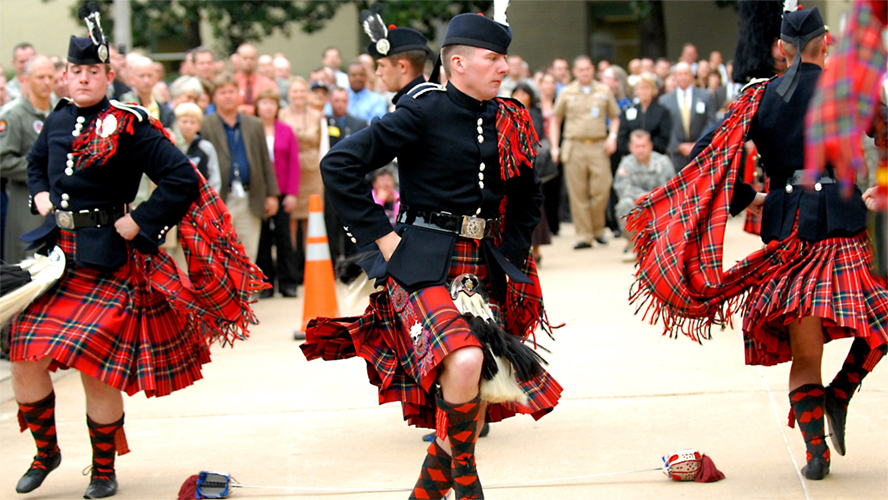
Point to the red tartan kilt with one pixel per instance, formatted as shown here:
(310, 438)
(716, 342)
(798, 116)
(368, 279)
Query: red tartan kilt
(111, 326)
(403, 361)
(830, 279)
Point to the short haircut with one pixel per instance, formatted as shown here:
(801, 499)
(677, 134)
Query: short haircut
(581, 58)
(328, 49)
(224, 79)
(809, 51)
(648, 79)
(354, 64)
(450, 51)
(338, 89)
(58, 65)
(21, 46)
(190, 110)
(640, 133)
(202, 50)
(29, 66)
(416, 59)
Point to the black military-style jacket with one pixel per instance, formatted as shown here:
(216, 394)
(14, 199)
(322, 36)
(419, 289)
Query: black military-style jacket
(777, 129)
(110, 185)
(446, 145)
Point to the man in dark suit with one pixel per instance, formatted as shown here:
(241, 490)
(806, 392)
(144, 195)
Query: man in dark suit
(249, 185)
(339, 125)
(693, 112)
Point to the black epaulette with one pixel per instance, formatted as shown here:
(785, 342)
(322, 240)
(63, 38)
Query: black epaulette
(425, 88)
(64, 101)
(140, 112)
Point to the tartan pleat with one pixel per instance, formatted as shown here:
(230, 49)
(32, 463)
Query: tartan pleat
(830, 279)
(404, 337)
(111, 326)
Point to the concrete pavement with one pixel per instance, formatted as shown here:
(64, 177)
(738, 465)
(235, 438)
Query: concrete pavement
(268, 417)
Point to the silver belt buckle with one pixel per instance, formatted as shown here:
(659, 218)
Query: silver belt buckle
(64, 219)
(473, 227)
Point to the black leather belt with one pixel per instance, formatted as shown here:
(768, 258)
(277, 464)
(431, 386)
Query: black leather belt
(466, 226)
(89, 218)
(798, 178)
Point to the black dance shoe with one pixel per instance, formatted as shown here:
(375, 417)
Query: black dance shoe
(836, 413)
(101, 487)
(36, 474)
(582, 245)
(601, 240)
(289, 291)
(816, 469)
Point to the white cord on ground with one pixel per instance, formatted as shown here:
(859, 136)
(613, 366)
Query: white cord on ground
(780, 428)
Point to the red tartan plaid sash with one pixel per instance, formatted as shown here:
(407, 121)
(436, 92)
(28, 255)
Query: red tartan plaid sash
(516, 142)
(215, 293)
(680, 236)
(843, 106)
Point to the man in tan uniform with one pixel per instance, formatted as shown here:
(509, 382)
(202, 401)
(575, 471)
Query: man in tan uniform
(585, 105)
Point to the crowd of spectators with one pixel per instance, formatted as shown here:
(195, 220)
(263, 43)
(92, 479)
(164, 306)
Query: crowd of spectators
(257, 129)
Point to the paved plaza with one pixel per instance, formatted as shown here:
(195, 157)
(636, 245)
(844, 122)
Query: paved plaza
(268, 417)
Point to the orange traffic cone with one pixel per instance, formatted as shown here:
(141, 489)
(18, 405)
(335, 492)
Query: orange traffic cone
(320, 286)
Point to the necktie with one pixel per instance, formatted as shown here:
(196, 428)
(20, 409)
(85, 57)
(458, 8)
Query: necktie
(685, 113)
(248, 92)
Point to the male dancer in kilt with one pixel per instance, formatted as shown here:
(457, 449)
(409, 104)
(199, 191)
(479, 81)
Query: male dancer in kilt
(812, 283)
(124, 318)
(469, 203)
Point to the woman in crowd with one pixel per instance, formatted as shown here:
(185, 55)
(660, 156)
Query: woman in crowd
(646, 114)
(616, 79)
(284, 153)
(703, 72)
(548, 86)
(526, 96)
(310, 128)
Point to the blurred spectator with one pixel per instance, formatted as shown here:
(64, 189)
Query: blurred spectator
(603, 65)
(517, 74)
(634, 72)
(234, 62)
(218, 69)
(265, 66)
(59, 83)
(373, 83)
(340, 125)
(526, 95)
(716, 62)
(731, 88)
(362, 102)
(202, 153)
(647, 65)
(646, 114)
(584, 106)
(662, 69)
(185, 89)
(669, 85)
(203, 63)
(143, 78)
(332, 59)
(310, 128)
(719, 93)
(284, 153)
(317, 96)
(638, 174)
(384, 194)
(702, 75)
(118, 63)
(249, 82)
(617, 81)
(21, 53)
(4, 93)
(693, 113)
(21, 124)
(249, 185)
(159, 70)
(204, 99)
(561, 71)
(161, 94)
(282, 75)
(186, 67)
(689, 56)
(552, 189)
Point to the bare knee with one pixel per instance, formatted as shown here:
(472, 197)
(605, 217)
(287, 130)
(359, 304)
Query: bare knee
(26, 370)
(462, 368)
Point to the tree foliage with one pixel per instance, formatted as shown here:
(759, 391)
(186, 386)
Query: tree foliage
(236, 22)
